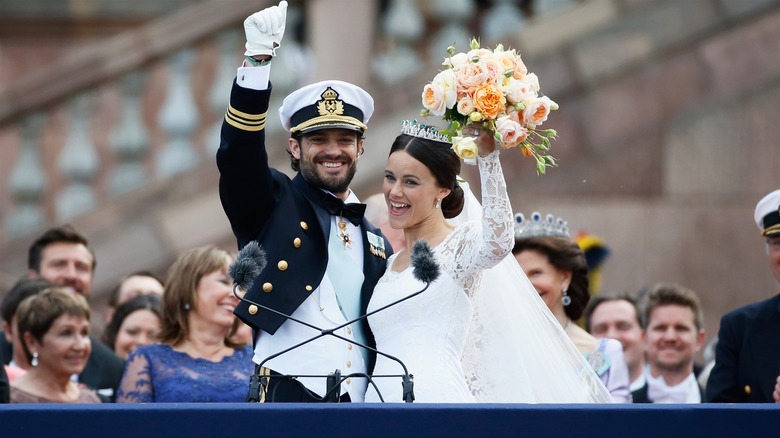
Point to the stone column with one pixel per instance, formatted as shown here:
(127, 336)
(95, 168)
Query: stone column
(341, 35)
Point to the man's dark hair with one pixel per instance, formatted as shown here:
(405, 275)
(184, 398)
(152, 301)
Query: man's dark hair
(605, 297)
(668, 294)
(63, 234)
(23, 288)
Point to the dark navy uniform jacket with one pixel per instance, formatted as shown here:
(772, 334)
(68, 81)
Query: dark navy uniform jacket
(747, 356)
(287, 217)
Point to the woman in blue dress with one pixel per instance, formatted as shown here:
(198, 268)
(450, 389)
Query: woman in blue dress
(196, 360)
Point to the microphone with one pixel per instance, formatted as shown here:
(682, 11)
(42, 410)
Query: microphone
(251, 261)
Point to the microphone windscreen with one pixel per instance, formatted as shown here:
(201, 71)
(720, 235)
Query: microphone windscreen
(254, 251)
(425, 267)
(244, 271)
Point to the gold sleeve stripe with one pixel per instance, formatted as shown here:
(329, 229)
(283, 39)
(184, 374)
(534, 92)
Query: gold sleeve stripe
(247, 116)
(245, 121)
(242, 126)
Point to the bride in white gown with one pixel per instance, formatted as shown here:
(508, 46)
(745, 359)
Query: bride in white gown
(462, 343)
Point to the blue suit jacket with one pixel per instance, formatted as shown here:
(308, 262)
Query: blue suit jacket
(747, 357)
(286, 216)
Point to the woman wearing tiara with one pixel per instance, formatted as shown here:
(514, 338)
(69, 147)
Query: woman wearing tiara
(451, 336)
(556, 267)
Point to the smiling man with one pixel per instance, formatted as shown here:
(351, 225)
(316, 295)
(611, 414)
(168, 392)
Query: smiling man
(673, 334)
(323, 257)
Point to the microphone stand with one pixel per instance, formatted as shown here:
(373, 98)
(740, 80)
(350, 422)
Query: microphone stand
(407, 379)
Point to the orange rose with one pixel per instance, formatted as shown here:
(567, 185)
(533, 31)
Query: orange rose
(489, 101)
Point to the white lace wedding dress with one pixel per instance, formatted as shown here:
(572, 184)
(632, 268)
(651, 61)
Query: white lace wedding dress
(428, 332)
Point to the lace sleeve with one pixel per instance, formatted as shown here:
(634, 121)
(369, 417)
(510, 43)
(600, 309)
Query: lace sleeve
(480, 245)
(136, 384)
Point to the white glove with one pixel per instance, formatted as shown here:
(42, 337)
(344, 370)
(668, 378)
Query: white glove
(264, 30)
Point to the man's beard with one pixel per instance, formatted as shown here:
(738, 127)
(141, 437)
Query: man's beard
(333, 184)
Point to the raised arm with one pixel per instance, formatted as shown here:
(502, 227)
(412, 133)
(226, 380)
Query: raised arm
(485, 244)
(246, 185)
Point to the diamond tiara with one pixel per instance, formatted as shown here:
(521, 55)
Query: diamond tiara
(411, 127)
(538, 227)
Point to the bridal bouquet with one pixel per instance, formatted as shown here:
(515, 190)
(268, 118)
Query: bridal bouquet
(493, 88)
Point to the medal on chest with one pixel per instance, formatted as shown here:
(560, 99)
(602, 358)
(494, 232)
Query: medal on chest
(343, 233)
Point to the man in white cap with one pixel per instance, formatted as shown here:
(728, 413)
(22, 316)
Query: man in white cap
(323, 258)
(747, 357)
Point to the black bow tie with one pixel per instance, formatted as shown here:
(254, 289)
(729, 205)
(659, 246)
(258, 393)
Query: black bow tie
(352, 212)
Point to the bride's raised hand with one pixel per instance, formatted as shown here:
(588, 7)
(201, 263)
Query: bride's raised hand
(485, 140)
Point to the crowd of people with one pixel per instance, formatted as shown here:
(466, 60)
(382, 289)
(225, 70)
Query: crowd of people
(477, 306)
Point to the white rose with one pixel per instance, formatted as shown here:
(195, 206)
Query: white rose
(455, 60)
(465, 147)
(447, 83)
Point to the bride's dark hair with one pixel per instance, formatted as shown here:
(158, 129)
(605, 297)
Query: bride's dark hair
(443, 163)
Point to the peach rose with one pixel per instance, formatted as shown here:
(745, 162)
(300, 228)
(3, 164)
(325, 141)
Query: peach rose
(433, 99)
(489, 101)
(512, 133)
(470, 75)
(521, 70)
(465, 105)
(494, 69)
(537, 110)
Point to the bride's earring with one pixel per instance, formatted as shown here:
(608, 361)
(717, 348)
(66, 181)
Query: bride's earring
(565, 299)
(438, 203)
(34, 361)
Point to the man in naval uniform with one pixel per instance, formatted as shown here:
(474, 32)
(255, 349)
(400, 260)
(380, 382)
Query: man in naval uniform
(747, 356)
(323, 259)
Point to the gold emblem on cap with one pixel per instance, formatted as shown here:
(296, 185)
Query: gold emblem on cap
(330, 104)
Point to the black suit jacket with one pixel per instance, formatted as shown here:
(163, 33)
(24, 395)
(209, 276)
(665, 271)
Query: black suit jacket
(747, 356)
(287, 217)
(103, 371)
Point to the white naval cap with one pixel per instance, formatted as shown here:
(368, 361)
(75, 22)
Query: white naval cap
(326, 105)
(767, 214)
